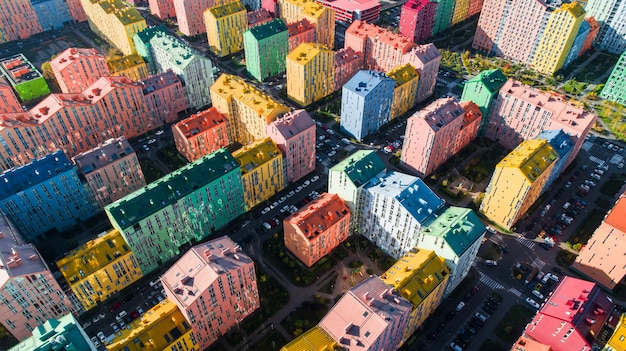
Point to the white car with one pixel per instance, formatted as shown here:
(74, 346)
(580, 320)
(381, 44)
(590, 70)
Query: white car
(491, 263)
(265, 210)
(115, 327)
(291, 193)
(306, 183)
(298, 189)
(146, 147)
(538, 294)
(330, 131)
(532, 302)
(491, 230)
(267, 225)
(101, 336)
(159, 132)
(332, 153)
(151, 141)
(345, 141)
(315, 178)
(321, 137)
(95, 342)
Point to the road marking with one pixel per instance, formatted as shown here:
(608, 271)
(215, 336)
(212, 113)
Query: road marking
(489, 281)
(515, 292)
(526, 242)
(596, 160)
(538, 263)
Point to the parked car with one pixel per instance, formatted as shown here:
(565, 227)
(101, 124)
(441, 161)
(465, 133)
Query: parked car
(95, 342)
(491, 263)
(532, 302)
(345, 141)
(538, 294)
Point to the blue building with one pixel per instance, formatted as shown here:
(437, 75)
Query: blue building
(562, 143)
(44, 195)
(52, 14)
(582, 34)
(57, 334)
(366, 103)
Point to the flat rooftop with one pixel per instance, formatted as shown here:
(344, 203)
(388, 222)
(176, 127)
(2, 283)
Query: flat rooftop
(200, 122)
(110, 151)
(16, 257)
(18, 69)
(37, 171)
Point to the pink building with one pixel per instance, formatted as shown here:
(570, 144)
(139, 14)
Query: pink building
(425, 59)
(76, 10)
(294, 134)
(259, 17)
(18, 20)
(316, 230)
(471, 124)
(162, 8)
(370, 316)
(190, 15)
(214, 286)
(8, 101)
(165, 97)
(29, 293)
(347, 63)
(572, 317)
(201, 134)
(300, 32)
(382, 50)
(521, 112)
(474, 7)
(75, 69)
(417, 19)
(347, 11)
(271, 6)
(435, 134)
(602, 258)
(111, 170)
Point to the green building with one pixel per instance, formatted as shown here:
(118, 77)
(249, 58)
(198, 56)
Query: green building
(266, 47)
(142, 44)
(57, 334)
(180, 209)
(443, 17)
(615, 87)
(482, 90)
(24, 77)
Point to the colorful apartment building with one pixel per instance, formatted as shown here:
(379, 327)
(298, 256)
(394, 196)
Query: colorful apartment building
(417, 18)
(510, 123)
(563, 144)
(165, 97)
(366, 103)
(395, 206)
(425, 59)
(312, 340)
(382, 49)
(201, 134)
(115, 22)
(258, 17)
(190, 15)
(524, 343)
(347, 63)
(572, 317)
(455, 235)
(216, 267)
(162, 327)
(8, 101)
(225, 25)
(180, 209)
(76, 10)
(62, 333)
(600, 259)
(266, 47)
(132, 66)
(420, 276)
(310, 74)
(580, 42)
(482, 89)
(617, 341)
(322, 18)
(349, 177)
(300, 32)
(436, 133)
(594, 30)
(471, 124)
(247, 109)
(347, 11)
(262, 171)
(144, 47)
(75, 69)
(611, 14)
(29, 293)
(558, 38)
(111, 170)
(99, 269)
(370, 316)
(162, 8)
(294, 134)
(474, 7)
(271, 6)
(443, 16)
(615, 87)
(405, 91)
(29, 196)
(518, 181)
(24, 77)
(316, 230)
(460, 11)
(194, 70)
(52, 14)
(18, 20)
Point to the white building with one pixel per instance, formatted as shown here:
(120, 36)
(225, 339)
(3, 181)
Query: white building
(611, 14)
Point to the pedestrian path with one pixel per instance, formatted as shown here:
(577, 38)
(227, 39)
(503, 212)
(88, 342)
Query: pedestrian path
(489, 281)
(526, 242)
(515, 292)
(596, 160)
(538, 263)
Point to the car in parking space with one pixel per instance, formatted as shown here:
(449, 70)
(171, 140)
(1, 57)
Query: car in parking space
(306, 183)
(101, 336)
(298, 189)
(532, 302)
(620, 165)
(455, 347)
(491, 263)
(566, 205)
(538, 294)
(265, 210)
(151, 141)
(330, 131)
(267, 226)
(115, 327)
(95, 342)
(332, 153)
(274, 205)
(590, 182)
(615, 148)
(159, 132)
(291, 193)
(315, 178)
(595, 176)
(491, 230)
(345, 141)
(87, 324)
(140, 310)
(460, 306)
(146, 147)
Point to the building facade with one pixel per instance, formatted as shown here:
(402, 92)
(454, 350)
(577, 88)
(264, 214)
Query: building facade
(111, 170)
(162, 8)
(266, 48)
(182, 208)
(615, 87)
(258, 17)
(132, 66)
(225, 25)
(190, 15)
(315, 231)
(443, 16)
(347, 11)
(611, 14)
(322, 18)
(24, 77)
(75, 69)
(9, 102)
(300, 32)
(417, 18)
(52, 14)
(313, 339)
(482, 89)
(347, 63)
(63, 332)
(201, 134)
(405, 91)
(425, 59)
(563, 145)
(18, 20)
(165, 97)
(310, 74)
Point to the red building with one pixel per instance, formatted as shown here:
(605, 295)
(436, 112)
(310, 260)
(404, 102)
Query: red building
(474, 7)
(300, 32)
(8, 101)
(201, 134)
(75, 69)
(348, 11)
(259, 17)
(162, 8)
(347, 63)
(417, 19)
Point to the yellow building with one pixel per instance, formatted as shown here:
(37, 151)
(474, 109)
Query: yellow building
(163, 327)
(315, 339)
(558, 38)
(225, 25)
(617, 342)
(115, 22)
(247, 108)
(420, 276)
(262, 172)
(460, 11)
(405, 92)
(322, 18)
(310, 73)
(132, 66)
(100, 268)
(517, 182)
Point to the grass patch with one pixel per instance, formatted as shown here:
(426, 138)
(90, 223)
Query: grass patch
(491, 252)
(273, 341)
(150, 172)
(565, 258)
(170, 156)
(482, 166)
(306, 316)
(511, 325)
(611, 114)
(492, 345)
(582, 234)
(273, 297)
(328, 287)
(383, 260)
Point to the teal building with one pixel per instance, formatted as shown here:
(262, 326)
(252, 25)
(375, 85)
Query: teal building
(615, 87)
(57, 334)
(266, 47)
(482, 89)
(180, 209)
(443, 17)
(143, 47)
(24, 77)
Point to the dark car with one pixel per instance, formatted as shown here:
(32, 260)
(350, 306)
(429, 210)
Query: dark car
(488, 309)
(557, 270)
(115, 306)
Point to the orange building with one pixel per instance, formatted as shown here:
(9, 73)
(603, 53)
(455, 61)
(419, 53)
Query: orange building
(313, 232)
(8, 101)
(75, 69)
(201, 134)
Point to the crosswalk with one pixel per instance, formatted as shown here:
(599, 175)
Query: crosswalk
(538, 263)
(526, 242)
(515, 292)
(489, 281)
(596, 160)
